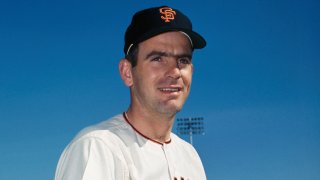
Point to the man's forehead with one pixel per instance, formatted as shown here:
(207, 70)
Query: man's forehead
(169, 41)
(165, 52)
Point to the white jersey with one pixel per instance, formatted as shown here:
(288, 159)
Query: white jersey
(113, 150)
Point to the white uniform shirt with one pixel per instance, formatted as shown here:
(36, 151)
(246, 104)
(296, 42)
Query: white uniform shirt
(113, 150)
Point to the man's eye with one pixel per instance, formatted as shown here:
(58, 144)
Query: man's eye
(184, 61)
(156, 59)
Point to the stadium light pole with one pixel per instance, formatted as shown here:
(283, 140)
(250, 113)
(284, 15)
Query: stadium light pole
(190, 126)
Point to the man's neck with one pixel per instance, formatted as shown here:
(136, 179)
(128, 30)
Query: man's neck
(153, 125)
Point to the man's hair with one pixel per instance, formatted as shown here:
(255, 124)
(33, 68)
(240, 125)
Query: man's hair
(132, 55)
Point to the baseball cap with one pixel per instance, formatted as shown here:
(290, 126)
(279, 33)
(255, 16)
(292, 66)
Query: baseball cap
(153, 21)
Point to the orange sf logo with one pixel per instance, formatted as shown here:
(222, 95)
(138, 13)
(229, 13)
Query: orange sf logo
(168, 14)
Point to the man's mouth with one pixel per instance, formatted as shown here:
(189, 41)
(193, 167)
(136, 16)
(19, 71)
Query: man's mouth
(169, 90)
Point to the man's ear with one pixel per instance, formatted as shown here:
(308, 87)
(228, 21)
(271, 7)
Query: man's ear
(125, 70)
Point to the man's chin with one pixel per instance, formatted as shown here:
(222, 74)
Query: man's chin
(170, 108)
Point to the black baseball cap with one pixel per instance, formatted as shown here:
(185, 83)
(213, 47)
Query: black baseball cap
(153, 21)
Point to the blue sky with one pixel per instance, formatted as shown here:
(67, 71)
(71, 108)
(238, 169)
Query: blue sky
(256, 83)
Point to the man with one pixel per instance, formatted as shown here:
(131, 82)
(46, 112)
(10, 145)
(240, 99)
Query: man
(139, 144)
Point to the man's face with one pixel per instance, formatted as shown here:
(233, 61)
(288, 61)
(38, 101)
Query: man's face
(162, 78)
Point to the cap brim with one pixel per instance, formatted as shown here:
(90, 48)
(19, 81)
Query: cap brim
(197, 40)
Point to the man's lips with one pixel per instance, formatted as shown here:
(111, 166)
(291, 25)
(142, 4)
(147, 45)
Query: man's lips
(170, 89)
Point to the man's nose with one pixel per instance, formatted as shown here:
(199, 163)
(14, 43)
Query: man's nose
(173, 70)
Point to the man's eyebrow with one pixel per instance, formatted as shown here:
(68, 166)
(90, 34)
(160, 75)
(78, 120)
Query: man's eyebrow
(165, 54)
(156, 53)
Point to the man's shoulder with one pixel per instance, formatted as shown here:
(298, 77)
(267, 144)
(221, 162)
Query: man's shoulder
(106, 130)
